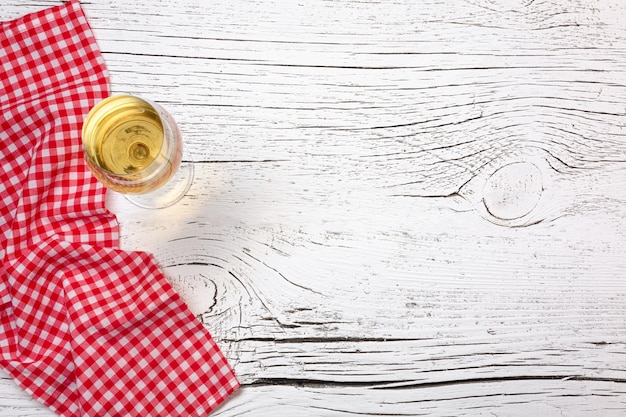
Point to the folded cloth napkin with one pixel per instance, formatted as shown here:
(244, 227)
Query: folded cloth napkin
(86, 328)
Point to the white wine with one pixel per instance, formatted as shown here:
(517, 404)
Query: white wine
(131, 145)
(129, 139)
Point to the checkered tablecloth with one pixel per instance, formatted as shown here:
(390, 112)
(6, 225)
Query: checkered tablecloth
(86, 328)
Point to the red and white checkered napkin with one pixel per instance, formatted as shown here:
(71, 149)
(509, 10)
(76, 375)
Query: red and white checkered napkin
(88, 329)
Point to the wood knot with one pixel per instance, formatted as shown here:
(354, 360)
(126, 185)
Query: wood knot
(512, 192)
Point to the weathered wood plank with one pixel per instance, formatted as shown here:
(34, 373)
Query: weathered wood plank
(405, 208)
(488, 398)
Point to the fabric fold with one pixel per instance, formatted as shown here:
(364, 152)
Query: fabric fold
(86, 328)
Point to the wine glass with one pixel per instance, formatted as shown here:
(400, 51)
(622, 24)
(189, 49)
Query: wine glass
(133, 146)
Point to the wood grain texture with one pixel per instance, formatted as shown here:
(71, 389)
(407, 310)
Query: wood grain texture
(400, 208)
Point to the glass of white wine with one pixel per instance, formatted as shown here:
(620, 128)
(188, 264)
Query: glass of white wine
(133, 146)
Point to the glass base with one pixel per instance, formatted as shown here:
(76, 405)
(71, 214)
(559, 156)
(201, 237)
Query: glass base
(170, 193)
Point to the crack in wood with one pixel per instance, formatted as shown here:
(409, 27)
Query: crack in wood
(242, 161)
(346, 339)
(411, 384)
(194, 263)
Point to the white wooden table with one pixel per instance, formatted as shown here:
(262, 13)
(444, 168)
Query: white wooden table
(401, 208)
